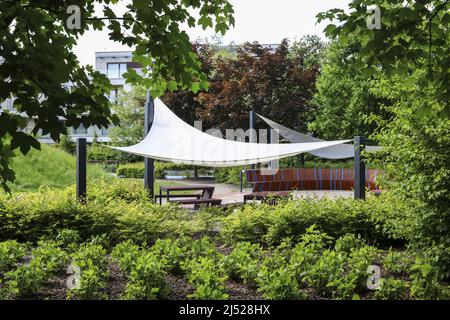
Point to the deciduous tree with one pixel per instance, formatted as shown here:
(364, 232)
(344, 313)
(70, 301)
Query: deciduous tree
(37, 44)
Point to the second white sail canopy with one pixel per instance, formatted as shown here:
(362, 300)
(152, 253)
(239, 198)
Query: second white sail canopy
(341, 151)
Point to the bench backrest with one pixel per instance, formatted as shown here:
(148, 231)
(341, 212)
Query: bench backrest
(307, 179)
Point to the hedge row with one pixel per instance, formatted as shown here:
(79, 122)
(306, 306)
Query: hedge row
(118, 208)
(272, 224)
(136, 170)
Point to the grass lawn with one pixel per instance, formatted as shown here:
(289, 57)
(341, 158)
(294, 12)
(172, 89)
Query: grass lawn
(50, 167)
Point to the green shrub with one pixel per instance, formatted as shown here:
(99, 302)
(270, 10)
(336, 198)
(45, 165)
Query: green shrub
(276, 279)
(91, 262)
(306, 252)
(208, 277)
(201, 248)
(68, 238)
(146, 280)
(131, 170)
(27, 279)
(171, 254)
(136, 170)
(242, 264)
(50, 255)
(249, 223)
(119, 209)
(348, 242)
(125, 254)
(10, 253)
(425, 281)
(325, 273)
(229, 175)
(354, 279)
(272, 224)
(398, 262)
(391, 289)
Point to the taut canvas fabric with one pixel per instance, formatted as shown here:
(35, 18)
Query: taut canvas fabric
(171, 139)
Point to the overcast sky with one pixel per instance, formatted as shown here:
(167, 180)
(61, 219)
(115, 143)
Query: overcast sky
(266, 21)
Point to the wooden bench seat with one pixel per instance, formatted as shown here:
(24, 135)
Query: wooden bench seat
(198, 202)
(307, 179)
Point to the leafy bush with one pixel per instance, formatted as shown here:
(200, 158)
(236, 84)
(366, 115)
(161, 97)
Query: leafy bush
(136, 170)
(276, 279)
(415, 153)
(91, 261)
(229, 175)
(125, 254)
(50, 255)
(119, 209)
(10, 253)
(398, 262)
(131, 170)
(242, 264)
(146, 280)
(425, 281)
(207, 276)
(325, 273)
(68, 238)
(391, 289)
(271, 224)
(28, 278)
(201, 248)
(354, 278)
(305, 253)
(204, 269)
(171, 254)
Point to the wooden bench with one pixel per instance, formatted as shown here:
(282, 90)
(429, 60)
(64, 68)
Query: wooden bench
(198, 202)
(307, 179)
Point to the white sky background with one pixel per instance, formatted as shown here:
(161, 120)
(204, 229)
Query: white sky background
(266, 21)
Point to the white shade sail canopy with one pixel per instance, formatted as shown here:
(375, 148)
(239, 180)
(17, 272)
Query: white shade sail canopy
(341, 151)
(172, 139)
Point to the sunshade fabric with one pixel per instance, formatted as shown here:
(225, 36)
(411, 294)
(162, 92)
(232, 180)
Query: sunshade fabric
(171, 139)
(341, 151)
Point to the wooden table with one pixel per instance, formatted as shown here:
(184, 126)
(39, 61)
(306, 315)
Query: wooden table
(206, 192)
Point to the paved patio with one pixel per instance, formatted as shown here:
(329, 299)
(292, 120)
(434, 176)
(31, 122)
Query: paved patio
(230, 193)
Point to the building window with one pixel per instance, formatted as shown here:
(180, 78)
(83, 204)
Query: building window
(113, 94)
(116, 70)
(80, 130)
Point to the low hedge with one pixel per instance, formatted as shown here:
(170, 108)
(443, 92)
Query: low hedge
(136, 170)
(118, 208)
(131, 170)
(272, 223)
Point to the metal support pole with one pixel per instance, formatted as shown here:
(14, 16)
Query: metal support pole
(149, 173)
(301, 158)
(360, 169)
(274, 139)
(240, 179)
(252, 137)
(81, 170)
